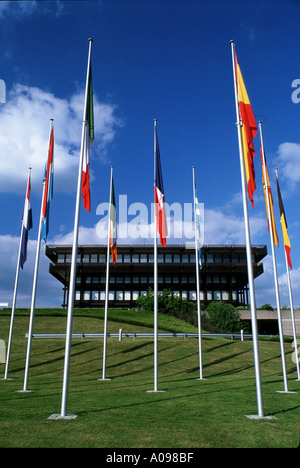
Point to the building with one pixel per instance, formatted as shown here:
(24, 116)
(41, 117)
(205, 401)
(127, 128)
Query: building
(223, 275)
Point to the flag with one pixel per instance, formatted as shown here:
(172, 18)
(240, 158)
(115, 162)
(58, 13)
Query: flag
(248, 130)
(275, 236)
(27, 225)
(159, 197)
(48, 179)
(198, 229)
(88, 142)
(284, 227)
(113, 225)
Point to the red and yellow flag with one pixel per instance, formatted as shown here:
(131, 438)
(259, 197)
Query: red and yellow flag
(286, 239)
(248, 130)
(267, 182)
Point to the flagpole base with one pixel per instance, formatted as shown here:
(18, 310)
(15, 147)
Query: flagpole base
(201, 378)
(6, 378)
(256, 416)
(155, 391)
(59, 416)
(103, 379)
(24, 391)
(285, 391)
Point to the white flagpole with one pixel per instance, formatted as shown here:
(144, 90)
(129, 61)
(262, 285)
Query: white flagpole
(198, 283)
(291, 305)
(107, 281)
(33, 296)
(248, 251)
(155, 283)
(63, 414)
(15, 295)
(266, 187)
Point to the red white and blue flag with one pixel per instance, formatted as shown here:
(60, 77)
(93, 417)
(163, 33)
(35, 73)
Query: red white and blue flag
(159, 195)
(48, 179)
(27, 224)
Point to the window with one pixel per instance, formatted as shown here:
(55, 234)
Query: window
(77, 296)
(127, 295)
(78, 279)
(127, 279)
(151, 258)
(234, 295)
(135, 295)
(111, 295)
(78, 260)
(160, 258)
(60, 258)
(95, 279)
(88, 279)
(119, 279)
(225, 296)
(86, 295)
(119, 295)
(184, 279)
(112, 279)
(144, 279)
(209, 258)
(86, 258)
(218, 258)
(102, 279)
(208, 279)
(184, 295)
(176, 258)
(136, 279)
(94, 258)
(168, 258)
(160, 279)
(143, 258)
(68, 258)
(102, 295)
(209, 295)
(217, 295)
(135, 258)
(175, 279)
(126, 258)
(192, 295)
(185, 258)
(168, 279)
(192, 279)
(216, 279)
(102, 258)
(119, 258)
(95, 295)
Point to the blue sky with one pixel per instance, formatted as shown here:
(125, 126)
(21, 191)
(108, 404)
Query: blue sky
(169, 60)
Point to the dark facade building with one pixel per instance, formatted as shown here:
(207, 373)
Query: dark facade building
(223, 275)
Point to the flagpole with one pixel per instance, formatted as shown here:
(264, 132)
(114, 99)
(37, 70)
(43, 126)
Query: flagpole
(291, 304)
(266, 187)
(198, 283)
(15, 294)
(155, 279)
(107, 280)
(248, 252)
(63, 414)
(33, 296)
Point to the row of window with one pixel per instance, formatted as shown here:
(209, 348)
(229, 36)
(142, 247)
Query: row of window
(133, 295)
(161, 258)
(149, 279)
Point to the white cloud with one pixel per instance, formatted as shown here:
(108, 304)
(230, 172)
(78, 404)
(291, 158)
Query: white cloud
(25, 120)
(288, 161)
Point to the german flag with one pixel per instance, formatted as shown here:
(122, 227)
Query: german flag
(248, 130)
(286, 239)
(275, 236)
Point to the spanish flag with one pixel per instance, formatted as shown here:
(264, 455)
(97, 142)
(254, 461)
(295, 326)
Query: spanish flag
(248, 130)
(286, 239)
(267, 182)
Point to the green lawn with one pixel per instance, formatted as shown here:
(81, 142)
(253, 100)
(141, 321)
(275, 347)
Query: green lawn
(120, 413)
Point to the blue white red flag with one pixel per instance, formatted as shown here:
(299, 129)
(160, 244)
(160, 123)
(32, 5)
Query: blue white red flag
(159, 196)
(26, 224)
(48, 179)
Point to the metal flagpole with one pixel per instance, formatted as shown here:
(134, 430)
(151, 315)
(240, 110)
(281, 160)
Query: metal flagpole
(107, 281)
(266, 187)
(249, 256)
(63, 414)
(291, 305)
(15, 295)
(33, 296)
(198, 283)
(155, 282)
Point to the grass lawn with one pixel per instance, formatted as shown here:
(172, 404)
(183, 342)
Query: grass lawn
(121, 414)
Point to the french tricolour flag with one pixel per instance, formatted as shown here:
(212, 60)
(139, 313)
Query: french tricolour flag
(48, 178)
(27, 225)
(159, 196)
